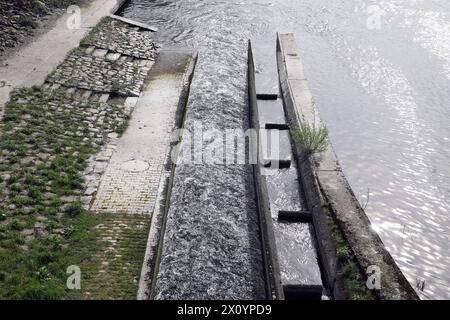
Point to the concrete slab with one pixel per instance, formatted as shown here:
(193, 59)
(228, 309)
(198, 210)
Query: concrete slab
(295, 216)
(294, 66)
(134, 23)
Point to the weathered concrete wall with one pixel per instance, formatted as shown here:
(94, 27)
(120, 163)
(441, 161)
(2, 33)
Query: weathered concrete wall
(324, 176)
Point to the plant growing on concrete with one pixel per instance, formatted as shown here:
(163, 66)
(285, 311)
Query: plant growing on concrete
(311, 137)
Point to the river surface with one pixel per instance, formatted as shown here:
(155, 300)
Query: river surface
(380, 75)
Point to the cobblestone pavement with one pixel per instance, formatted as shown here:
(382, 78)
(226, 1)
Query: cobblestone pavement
(123, 239)
(114, 58)
(99, 71)
(45, 129)
(31, 64)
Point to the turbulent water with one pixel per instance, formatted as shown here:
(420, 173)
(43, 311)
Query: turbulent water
(380, 75)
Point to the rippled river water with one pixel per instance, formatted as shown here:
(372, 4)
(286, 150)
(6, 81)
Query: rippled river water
(380, 75)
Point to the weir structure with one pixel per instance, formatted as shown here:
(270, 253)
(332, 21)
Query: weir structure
(293, 192)
(290, 257)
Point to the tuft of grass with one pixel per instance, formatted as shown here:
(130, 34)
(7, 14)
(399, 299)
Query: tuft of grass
(311, 138)
(40, 272)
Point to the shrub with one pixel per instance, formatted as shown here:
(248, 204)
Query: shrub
(311, 138)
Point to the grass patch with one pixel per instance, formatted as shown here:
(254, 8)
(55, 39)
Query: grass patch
(28, 22)
(40, 272)
(312, 138)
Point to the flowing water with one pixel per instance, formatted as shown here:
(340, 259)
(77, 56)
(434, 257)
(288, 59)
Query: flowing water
(380, 75)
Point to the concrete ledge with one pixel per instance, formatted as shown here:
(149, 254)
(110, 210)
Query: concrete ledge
(134, 23)
(266, 96)
(277, 163)
(276, 126)
(323, 178)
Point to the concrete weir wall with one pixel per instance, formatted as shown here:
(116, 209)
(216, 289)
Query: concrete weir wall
(289, 251)
(211, 241)
(325, 181)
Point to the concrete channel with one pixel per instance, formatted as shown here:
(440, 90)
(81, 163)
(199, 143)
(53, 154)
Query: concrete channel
(292, 269)
(325, 183)
(168, 88)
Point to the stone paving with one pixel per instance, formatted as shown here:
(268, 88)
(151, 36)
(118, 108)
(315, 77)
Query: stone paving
(32, 63)
(117, 36)
(99, 71)
(87, 103)
(123, 237)
(115, 58)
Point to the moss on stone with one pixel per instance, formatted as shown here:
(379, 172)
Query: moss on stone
(347, 268)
